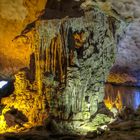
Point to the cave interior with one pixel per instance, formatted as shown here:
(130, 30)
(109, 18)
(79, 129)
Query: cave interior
(69, 70)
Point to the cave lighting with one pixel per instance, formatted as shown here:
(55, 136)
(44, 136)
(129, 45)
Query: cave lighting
(136, 99)
(88, 106)
(3, 83)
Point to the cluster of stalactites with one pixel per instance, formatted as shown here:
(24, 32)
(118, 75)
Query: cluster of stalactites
(54, 58)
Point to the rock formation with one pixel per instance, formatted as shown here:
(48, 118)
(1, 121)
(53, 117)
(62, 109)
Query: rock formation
(14, 16)
(70, 59)
(60, 61)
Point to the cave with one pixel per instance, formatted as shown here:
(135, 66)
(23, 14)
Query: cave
(69, 70)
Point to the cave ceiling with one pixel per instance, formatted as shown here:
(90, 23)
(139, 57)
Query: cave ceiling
(16, 15)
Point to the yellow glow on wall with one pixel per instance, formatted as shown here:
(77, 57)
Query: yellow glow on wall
(30, 103)
(79, 39)
(117, 103)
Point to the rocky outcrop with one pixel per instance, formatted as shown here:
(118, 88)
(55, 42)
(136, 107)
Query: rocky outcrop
(15, 117)
(15, 16)
(123, 75)
(126, 67)
(126, 126)
(66, 59)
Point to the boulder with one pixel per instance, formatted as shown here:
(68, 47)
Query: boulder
(15, 117)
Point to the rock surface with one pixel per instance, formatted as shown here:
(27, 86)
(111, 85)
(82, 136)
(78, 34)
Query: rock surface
(74, 59)
(14, 17)
(14, 117)
(127, 66)
(126, 128)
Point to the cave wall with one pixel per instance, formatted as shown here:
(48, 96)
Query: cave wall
(126, 68)
(14, 16)
(17, 15)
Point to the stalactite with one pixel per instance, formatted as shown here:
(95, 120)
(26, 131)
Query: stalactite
(54, 58)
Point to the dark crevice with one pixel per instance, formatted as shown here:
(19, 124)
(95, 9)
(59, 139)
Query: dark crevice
(63, 8)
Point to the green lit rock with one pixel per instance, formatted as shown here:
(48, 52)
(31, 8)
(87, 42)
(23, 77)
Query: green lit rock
(79, 65)
(82, 116)
(100, 120)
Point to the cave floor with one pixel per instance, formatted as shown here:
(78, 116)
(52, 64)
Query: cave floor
(133, 134)
(125, 126)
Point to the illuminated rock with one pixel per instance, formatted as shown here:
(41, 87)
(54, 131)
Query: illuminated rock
(15, 117)
(68, 61)
(120, 97)
(14, 16)
(66, 54)
(73, 57)
(25, 99)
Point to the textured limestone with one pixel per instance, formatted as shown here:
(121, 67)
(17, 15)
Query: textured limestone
(73, 59)
(27, 100)
(68, 62)
(14, 16)
(122, 129)
(122, 9)
(127, 66)
(122, 75)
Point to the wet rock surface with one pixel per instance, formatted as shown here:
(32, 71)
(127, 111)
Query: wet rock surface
(118, 96)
